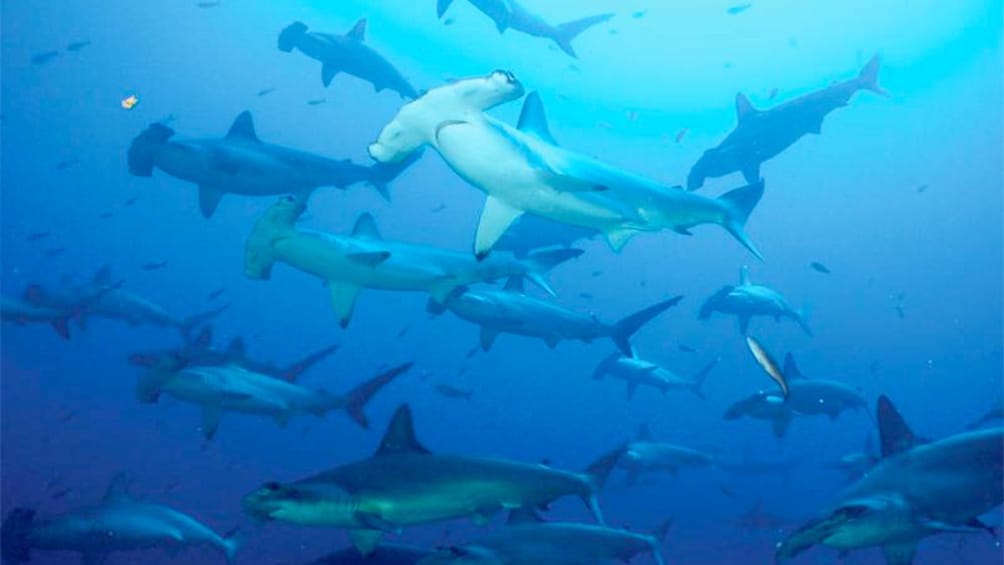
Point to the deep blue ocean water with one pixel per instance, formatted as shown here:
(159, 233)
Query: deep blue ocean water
(900, 197)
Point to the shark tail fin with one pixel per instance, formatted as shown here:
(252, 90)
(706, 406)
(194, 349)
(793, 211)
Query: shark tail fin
(356, 400)
(231, 544)
(290, 36)
(566, 32)
(15, 546)
(598, 472)
(624, 329)
(381, 174)
(739, 204)
(543, 261)
(658, 538)
(293, 372)
(194, 321)
(868, 77)
(142, 153)
(697, 381)
(604, 366)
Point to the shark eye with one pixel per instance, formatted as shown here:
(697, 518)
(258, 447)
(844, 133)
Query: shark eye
(289, 198)
(271, 487)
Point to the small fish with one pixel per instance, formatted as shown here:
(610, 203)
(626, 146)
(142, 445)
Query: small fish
(448, 21)
(66, 164)
(77, 45)
(131, 201)
(874, 367)
(739, 8)
(632, 115)
(129, 102)
(680, 135)
(169, 487)
(403, 332)
(639, 14)
(613, 31)
(37, 235)
(60, 493)
(922, 188)
(727, 491)
(67, 416)
(727, 65)
(596, 273)
(44, 57)
(266, 91)
(216, 293)
(604, 125)
(768, 364)
(54, 251)
(585, 295)
(686, 348)
(316, 102)
(453, 392)
(817, 266)
(473, 352)
(154, 266)
(207, 4)
(900, 312)
(106, 215)
(573, 67)
(772, 94)
(439, 208)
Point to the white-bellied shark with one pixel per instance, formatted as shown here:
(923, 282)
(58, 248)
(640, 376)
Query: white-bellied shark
(510, 310)
(510, 14)
(364, 259)
(645, 455)
(230, 388)
(345, 54)
(637, 372)
(747, 300)
(242, 164)
(806, 397)
(119, 523)
(762, 134)
(528, 539)
(523, 170)
(404, 484)
(917, 490)
(112, 301)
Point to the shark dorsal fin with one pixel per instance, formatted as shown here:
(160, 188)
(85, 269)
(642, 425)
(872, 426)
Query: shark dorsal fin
(515, 284)
(523, 515)
(236, 350)
(532, 119)
(103, 276)
(644, 433)
(790, 370)
(894, 433)
(366, 227)
(400, 435)
(243, 128)
(744, 276)
(358, 31)
(744, 108)
(118, 489)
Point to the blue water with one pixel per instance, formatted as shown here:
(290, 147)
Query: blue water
(849, 198)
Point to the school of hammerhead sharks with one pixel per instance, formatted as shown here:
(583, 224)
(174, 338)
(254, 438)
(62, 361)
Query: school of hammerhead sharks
(540, 199)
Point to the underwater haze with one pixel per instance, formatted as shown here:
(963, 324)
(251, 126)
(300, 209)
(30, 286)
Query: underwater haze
(176, 273)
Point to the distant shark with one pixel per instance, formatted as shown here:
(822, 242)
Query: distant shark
(645, 455)
(55, 313)
(917, 490)
(405, 484)
(364, 259)
(636, 372)
(523, 170)
(510, 14)
(119, 523)
(242, 164)
(510, 310)
(229, 388)
(345, 54)
(762, 134)
(527, 539)
(806, 397)
(747, 300)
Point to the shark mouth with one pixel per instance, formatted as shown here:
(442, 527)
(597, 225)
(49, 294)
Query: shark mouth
(446, 124)
(817, 531)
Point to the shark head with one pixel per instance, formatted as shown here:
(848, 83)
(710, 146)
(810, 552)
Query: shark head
(858, 522)
(276, 223)
(300, 503)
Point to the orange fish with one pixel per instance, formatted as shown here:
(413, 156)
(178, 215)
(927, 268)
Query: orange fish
(129, 102)
(681, 134)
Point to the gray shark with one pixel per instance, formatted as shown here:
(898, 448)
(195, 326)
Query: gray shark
(529, 539)
(510, 310)
(747, 300)
(917, 490)
(115, 303)
(994, 414)
(230, 388)
(855, 465)
(384, 554)
(199, 351)
(645, 455)
(404, 484)
(510, 14)
(23, 312)
(531, 232)
(762, 134)
(523, 170)
(806, 397)
(345, 54)
(242, 164)
(364, 259)
(636, 372)
(119, 523)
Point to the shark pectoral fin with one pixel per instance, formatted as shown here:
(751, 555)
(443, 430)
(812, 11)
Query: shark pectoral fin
(328, 72)
(343, 300)
(900, 554)
(210, 421)
(369, 258)
(780, 426)
(365, 541)
(93, 557)
(617, 238)
(751, 172)
(209, 199)
(488, 336)
(496, 217)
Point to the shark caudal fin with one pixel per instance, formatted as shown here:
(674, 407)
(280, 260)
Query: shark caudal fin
(802, 319)
(605, 365)
(277, 222)
(738, 204)
(355, 401)
(566, 32)
(195, 320)
(290, 36)
(15, 542)
(697, 380)
(541, 262)
(381, 174)
(293, 372)
(142, 155)
(623, 330)
(231, 543)
(868, 77)
(597, 473)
